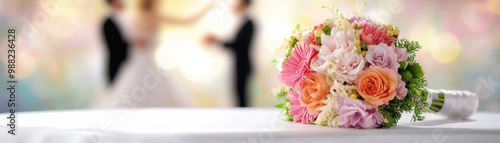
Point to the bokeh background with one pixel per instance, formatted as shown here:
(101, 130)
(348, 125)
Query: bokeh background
(60, 62)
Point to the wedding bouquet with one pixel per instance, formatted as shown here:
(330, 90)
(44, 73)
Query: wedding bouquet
(351, 72)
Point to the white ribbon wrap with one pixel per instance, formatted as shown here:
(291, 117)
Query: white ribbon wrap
(457, 104)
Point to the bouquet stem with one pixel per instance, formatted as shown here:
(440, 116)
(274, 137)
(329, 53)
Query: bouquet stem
(454, 104)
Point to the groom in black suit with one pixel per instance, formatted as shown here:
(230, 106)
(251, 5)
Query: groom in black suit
(241, 48)
(116, 45)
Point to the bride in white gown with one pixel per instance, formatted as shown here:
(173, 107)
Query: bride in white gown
(141, 82)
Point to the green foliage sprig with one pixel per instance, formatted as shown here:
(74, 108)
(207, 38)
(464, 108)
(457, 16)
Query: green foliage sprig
(416, 98)
(283, 102)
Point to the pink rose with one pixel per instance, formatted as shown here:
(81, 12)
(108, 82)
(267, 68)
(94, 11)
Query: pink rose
(383, 56)
(401, 90)
(354, 114)
(401, 53)
(361, 20)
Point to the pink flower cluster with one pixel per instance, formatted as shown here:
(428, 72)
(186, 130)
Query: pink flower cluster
(354, 114)
(325, 65)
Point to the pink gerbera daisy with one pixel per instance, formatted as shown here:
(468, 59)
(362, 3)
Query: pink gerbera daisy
(297, 68)
(300, 113)
(372, 35)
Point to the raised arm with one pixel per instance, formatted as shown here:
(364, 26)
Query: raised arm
(190, 20)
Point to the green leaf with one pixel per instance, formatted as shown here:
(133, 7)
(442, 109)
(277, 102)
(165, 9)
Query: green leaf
(416, 70)
(411, 101)
(290, 117)
(424, 95)
(364, 47)
(297, 27)
(411, 46)
(290, 47)
(402, 65)
(279, 105)
(274, 61)
(390, 122)
(406, 75)
(282, 95)
(327, 30)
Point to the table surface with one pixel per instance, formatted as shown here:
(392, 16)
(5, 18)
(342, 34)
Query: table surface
(242, 125)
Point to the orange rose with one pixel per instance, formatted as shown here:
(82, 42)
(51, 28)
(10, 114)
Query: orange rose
(313, 89)
(377, 85)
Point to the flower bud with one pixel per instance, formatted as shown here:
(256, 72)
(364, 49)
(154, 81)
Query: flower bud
(354, 96)
(318, 32)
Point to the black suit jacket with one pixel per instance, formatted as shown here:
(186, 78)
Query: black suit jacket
(241, 47)
(117, 47)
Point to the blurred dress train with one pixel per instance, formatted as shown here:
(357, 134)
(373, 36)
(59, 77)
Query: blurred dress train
(141, 82)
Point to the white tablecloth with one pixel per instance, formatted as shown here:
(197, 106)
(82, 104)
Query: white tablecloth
(218, 125)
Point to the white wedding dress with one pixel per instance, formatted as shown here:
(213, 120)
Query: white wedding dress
(141, 82)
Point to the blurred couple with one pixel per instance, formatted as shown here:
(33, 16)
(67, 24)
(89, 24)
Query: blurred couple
(132, 72)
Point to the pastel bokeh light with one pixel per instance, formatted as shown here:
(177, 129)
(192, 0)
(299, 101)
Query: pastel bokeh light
(62, 63)
(446, 48)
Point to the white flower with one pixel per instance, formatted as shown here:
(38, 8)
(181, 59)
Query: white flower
(349, 65)
(319, 66)
(328, 45)
(328, 111)
(338, 39)
(279, 90)
(329, 53)
(341, 89)
(280, 54)
(282, 50)
(330, 23)
(302, 35)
